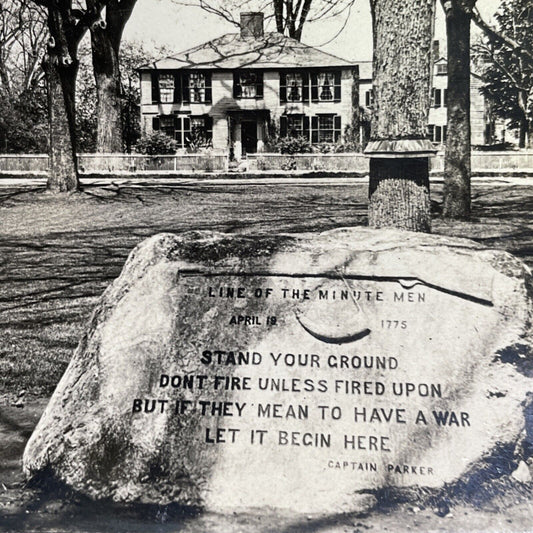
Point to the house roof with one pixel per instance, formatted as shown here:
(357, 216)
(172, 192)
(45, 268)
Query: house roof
(232, 51)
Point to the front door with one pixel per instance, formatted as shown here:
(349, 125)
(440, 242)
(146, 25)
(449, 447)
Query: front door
(249, 137)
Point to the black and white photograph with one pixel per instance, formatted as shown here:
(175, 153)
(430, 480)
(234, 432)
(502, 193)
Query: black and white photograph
(265, 267)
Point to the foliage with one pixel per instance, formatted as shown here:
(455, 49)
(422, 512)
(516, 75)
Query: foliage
(508, 75)
(23, 103)
(291, 145)
(132, 55)
(156, 143)
(23, 122)
(198, 141)
(349, 142)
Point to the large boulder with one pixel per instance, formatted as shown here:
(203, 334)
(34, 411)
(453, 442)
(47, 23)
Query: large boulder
(293, 371)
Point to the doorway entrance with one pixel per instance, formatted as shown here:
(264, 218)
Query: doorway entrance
(249, 137)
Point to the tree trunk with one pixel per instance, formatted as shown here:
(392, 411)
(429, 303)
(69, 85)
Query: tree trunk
(105, 44)
(457, 169)
(63, 173)
(109, 106)
(399, 165)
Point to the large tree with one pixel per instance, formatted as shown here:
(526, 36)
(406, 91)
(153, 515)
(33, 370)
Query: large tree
(23, 34)
(106, 37)
(67, 24)
(506, 52)
(399, 164)
(457, 165)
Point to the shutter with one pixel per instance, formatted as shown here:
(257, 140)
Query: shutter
(367, 99)
(259, 85)
(208, 121)
(177, 88)
(438, 134)
(155, 123)
(431, 132)
(314, 87)
(314, 130)
(337, 88)
(178, 134)
(432, 97)
(337, 127)
(186, 131)
(185, 88)
(283, 87)
(237, 90)
(437, 98)
(283, 126)
(208, 90)
(444, 132)
(155, 87)
(445, 98)
(305, 87)
(306, 127)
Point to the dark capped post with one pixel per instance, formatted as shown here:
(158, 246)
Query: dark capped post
(399, 150)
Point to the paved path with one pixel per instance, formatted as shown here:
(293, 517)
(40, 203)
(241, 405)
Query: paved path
(239, 181)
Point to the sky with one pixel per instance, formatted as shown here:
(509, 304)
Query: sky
(178, 27)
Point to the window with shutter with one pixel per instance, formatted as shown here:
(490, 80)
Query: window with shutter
(445, 98)
(199, 87)
(442, 68)
(248, 84)
(326, 86)
(166, 88)
(201, 129)
(325, 128)
(294, 82)
(166, 125)
(295, 125)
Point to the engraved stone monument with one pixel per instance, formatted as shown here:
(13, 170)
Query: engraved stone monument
(291, 372)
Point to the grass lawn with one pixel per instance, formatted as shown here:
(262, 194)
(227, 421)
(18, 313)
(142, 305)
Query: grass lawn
(58, 253)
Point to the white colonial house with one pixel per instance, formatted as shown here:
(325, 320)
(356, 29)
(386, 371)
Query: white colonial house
(237, 88)
(482, 126)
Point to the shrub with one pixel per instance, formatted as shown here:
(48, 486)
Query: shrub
(289, 145)
(156, 143)
(198, 141)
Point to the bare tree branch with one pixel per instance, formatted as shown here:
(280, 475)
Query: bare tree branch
(501, 38)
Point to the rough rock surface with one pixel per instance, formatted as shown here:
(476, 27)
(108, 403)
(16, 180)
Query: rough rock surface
(411, 361)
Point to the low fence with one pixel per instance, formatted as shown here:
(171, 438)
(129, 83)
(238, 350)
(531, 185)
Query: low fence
(493, 161)
(310, 162)
(356, 162)
(23, 163)
(89, 163)
(117, 163)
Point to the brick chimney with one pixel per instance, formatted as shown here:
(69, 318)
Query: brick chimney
(252, 25)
